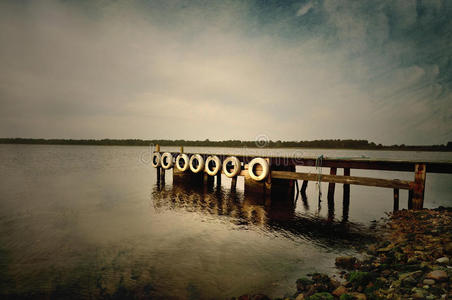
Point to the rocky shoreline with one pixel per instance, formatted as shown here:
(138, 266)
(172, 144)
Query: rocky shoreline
(412, 259)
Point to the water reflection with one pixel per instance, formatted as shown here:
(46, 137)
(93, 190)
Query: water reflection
(273, 216)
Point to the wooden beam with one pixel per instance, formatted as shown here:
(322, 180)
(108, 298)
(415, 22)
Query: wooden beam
(419, 186)
(387, 183)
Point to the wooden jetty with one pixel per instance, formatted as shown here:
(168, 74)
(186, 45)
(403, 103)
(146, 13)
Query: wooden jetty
(281, 177)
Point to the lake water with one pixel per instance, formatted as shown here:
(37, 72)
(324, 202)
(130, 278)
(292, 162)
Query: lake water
(91, 222)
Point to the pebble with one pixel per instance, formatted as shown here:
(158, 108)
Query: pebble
(437, 275)
(443, 260)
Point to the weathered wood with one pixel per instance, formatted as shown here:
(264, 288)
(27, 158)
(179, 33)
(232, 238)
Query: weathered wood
(162, 175)
(157, 148)
(331, 185)
(396, 199)
(181, 149)
(304, 186)
(346, 198)
(219, 178)
(419, 186)
(410, 199)
(387, 183)
(234, 182)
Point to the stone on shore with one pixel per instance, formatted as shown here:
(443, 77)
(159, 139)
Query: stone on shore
(346, 262)
(437, 275)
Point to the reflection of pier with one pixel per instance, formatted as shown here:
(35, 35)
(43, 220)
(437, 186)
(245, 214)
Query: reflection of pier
(251, 209)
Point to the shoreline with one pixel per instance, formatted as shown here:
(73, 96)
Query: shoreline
(411, 259)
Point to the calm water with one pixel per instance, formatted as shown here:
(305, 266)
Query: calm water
(89, 221)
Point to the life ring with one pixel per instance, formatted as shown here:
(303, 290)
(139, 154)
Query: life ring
(196, 163)
(264, 165)
(213, 160)
(156, 159)
(182, 162)
(237, 166)
(167, 160)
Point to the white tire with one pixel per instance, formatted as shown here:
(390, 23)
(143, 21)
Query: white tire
(182, 162)
(200, 163)
(237, 166)
(167, 161)
(265, 169)
(215, 160)
(156, 159)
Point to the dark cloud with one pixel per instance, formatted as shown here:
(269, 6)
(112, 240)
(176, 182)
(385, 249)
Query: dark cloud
(380, 70)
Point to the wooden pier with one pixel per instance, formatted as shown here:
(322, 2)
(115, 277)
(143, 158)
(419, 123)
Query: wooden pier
(282, 178)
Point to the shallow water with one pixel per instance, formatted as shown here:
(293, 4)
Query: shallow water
(90, 221)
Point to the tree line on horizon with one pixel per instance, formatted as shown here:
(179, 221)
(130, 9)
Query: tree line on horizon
(330, 143)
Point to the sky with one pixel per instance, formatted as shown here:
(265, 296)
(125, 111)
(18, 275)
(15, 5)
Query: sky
(289, 70)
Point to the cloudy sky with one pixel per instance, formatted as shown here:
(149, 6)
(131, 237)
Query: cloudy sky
(293, 70)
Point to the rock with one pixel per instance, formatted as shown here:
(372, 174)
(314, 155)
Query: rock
(419, 293)
(260, 297)
(429, 281)
(321, 296)
(339, 291)
(300, 297)
(345, 262)
(409, 281)
(359, 296)
(443, 260)
(303, 284)
(437, 275)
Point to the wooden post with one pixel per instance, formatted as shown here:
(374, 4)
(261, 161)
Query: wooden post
(331, 187)
(410, 199)
(181, 149)
(346, 200)
(162, 175)
(234, 183)
(157, 149)
(419, 186)
(396, 199)
(219, 178)
(304, 186)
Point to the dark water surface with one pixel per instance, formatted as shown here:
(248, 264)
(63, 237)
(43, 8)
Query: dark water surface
(90, 222)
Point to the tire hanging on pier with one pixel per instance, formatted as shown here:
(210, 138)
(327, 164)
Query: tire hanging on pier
(216, 162)
(236, 164)
(156, 159)
(258, 162)
(182, 162)
(167, 160)
(196, 163)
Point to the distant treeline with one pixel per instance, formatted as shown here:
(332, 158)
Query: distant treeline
(329, 144)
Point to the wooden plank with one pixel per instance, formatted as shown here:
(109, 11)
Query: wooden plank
(387, 183)
(396, 199)
(419, 186)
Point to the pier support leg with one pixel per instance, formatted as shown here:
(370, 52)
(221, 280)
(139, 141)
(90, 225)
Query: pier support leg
(331, 187)
(304, 186)
(410, 199)
(396, 199)
(234, 183)
(162, 175)
(219, 178)
(187, 177)
(419, 186)
(346, 200)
